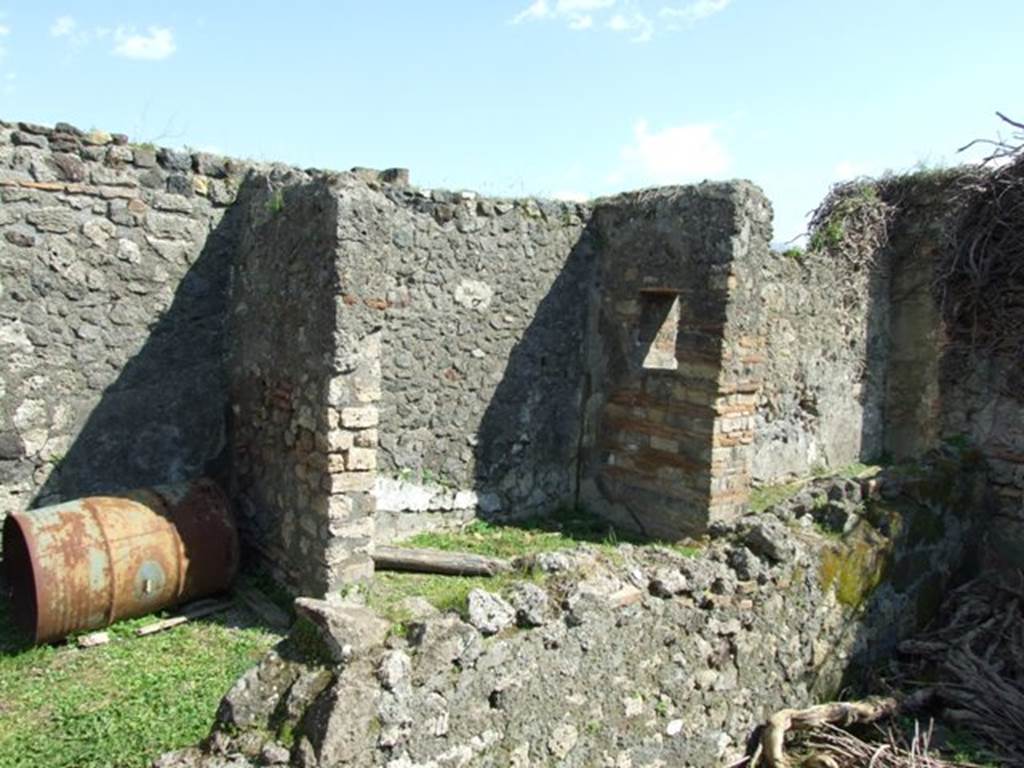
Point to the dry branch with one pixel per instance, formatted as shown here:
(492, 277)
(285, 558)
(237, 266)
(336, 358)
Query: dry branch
(773, 736)
(978, 655)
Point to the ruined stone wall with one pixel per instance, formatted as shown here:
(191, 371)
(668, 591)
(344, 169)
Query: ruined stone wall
(938, 390)
(821, 403)
(674, 348)
(643, 656)
(113, 267)
(482, 305)
(280, 364)
(400, 360)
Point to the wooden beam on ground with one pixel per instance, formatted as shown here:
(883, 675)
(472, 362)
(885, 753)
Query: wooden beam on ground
(194, 611)
(437, 561)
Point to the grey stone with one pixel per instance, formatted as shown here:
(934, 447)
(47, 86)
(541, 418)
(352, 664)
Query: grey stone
(22, 238)
(274, 754)
(179, 184)
(474, 294)
(254, 697)
(839, 516)
(770, 538)
(118, 154)
(489, 612)
(441, 643)
(174, 160)
(68, 128)
(68, 167)
(340, 719)
(51, 219)
(144, 156)
(213, 166)
(746, 564)
(23, 138)
(394, 669)
(531, 603)
(309, 684)
(346, 631)
(563, 740)
(667, 582)
(554, 562)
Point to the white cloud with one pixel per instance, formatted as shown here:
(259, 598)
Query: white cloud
(4, 30)
(157, 44)
(691, 13)
(537, 10)
(582, 6)
(636, 18)
(673, 155)
(640, 26)
(63, 26)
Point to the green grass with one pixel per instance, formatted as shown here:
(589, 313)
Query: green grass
(964, 747)
(766, 496)
(446, 593)
(565, 529)
(769, 495)
(124, 703)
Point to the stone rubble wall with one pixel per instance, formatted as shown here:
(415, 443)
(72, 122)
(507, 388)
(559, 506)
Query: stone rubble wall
(482, 306)
(400, 360)
(114, 261)
(937, 391)
(643, 658)
(859, 366)
(822, 401)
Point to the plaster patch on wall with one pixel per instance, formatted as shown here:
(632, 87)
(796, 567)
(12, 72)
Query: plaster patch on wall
(474, 294)
(396, 495)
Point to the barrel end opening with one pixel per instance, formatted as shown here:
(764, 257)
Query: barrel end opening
(19, 575)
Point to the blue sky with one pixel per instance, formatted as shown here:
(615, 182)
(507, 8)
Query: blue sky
(569, 98)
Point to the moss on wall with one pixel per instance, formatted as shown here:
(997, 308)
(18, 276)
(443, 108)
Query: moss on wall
(855, 566)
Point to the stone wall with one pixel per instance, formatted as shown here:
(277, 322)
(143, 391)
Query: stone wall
(482, 303)
(939, 390)
(113, 269)
(674, 349)
(822, 400)
(643, 656)
(400, 360)
(289, 449)
(436, 356)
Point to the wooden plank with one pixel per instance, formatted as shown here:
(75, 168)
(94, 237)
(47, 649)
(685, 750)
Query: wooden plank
(437, 561)
(192, 611)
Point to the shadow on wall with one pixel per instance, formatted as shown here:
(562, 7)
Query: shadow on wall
(527, 447)
(162, 419)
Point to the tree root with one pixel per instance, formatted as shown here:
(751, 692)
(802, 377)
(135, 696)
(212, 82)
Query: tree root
(772, 751)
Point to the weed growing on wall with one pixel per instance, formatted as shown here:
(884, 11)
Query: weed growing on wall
(275, 203)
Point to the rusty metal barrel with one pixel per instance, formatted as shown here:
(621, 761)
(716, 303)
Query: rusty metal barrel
(85, 564)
